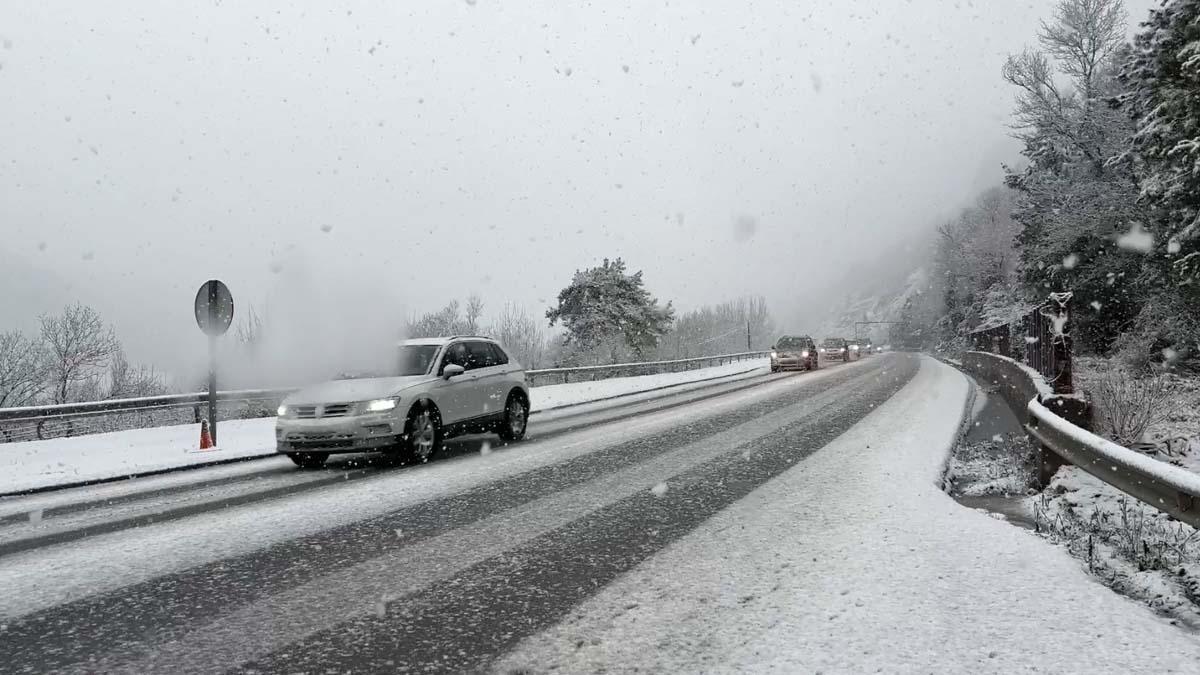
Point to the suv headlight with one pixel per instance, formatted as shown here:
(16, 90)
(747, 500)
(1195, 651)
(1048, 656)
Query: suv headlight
(381, 404)
(804, 354)
(774, 355)
(841, 349)
(281, 411)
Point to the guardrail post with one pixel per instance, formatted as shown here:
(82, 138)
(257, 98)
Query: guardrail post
(1049, 462)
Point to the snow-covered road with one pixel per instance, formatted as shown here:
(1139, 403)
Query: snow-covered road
(788, 523)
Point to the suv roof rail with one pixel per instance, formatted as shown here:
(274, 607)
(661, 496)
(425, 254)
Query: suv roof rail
(471, 337)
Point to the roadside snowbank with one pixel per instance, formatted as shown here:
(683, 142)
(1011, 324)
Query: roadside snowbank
(854, 561)
(64, 461)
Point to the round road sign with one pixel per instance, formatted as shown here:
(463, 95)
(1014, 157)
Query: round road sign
(214, 307)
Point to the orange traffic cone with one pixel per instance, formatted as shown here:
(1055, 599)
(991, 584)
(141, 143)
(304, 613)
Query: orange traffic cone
(205, 438)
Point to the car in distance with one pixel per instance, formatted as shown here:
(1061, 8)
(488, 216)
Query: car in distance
(835, 349)
(861, 347)
(794, 352)
(441, 387)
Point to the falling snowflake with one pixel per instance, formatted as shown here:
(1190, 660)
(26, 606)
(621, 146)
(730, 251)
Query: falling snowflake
(1096, 305)
(659, 490)
(1170, 355)
(1030, 340)
(485, 448)
(1070, 261)
(1173, 246)
(1136, 239)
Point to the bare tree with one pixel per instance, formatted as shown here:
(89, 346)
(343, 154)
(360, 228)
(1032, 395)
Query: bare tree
(78, 346)
(522, 335)
(249, 331)
(22, 369)
(474, 311)
(444, 322)
(1083, 37)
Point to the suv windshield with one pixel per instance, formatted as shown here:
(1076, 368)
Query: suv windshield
(791, 343)
(415, 359)
(833, 342)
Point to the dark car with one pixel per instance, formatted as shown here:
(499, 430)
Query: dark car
(836, 349)
(862, 347)
(794, 352)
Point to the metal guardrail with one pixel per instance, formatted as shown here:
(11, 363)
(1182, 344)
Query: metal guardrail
(75, 419)
(583, 373)
(1168, 488)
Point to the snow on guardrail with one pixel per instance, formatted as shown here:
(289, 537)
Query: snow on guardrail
(1171, 489)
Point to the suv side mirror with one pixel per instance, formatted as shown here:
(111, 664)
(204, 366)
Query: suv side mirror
(772, 347)
(452, 370)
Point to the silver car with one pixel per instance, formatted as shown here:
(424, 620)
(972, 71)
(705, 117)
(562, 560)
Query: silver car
(442, 387)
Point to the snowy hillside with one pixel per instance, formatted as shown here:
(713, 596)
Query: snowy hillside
(883, 300)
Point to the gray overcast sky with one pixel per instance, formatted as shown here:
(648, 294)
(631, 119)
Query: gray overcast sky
(387, 156)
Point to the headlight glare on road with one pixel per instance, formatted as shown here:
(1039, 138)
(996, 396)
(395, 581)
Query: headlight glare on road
(282, 411)
(381, 405)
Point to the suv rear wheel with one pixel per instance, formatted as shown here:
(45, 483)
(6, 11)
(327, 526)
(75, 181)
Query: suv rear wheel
(516, 418)
(422, 433)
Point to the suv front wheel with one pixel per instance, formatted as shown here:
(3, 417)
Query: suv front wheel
(422, 433)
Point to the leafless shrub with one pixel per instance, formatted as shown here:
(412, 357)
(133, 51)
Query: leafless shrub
(1128, 406)
(126, 380)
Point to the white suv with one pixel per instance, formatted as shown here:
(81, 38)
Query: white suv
(443, 387)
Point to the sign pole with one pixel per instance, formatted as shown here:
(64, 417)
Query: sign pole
(214, 313)
(212, 362)
(212, 387)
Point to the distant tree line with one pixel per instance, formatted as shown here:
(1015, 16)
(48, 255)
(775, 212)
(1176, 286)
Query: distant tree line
(74, 356)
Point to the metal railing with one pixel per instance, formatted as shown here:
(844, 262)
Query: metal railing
(1168, 488)
(604, 372)
(77, 419)
(1044, 341)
